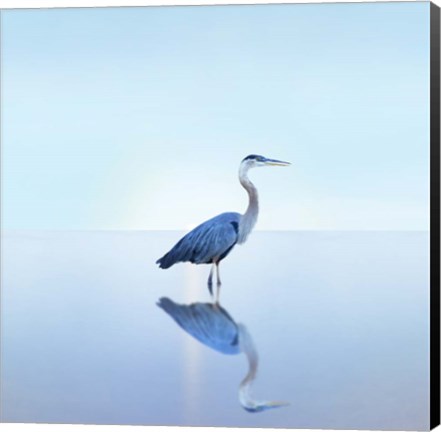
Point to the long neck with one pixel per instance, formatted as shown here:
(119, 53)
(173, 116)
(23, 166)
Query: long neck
(249, 218)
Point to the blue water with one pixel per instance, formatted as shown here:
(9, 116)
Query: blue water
(339, 319)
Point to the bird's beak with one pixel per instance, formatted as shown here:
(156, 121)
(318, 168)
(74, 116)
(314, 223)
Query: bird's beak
(274, 162)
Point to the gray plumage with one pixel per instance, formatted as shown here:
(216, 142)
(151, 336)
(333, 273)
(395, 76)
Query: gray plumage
(211, 240)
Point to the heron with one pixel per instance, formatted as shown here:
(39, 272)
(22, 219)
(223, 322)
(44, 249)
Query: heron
(211, 241)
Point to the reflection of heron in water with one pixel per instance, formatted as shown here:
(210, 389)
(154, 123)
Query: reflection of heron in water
(213, 326)
(212, 241)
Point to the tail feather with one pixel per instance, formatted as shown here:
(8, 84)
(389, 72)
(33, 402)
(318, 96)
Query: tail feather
(165, 262)
(182, 251)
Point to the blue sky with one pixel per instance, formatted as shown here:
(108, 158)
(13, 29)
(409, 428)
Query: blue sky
(137, 118)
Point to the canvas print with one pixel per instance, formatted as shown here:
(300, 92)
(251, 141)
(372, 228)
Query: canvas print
(219, 215)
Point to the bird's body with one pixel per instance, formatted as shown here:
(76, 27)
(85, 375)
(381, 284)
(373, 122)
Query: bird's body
(211, 241)
(208, 243)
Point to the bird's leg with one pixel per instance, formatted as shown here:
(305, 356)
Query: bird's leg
(218, 284)
(210, 281)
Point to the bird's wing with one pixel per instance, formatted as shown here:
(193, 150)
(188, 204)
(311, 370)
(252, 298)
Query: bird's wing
(213, 239)
(210, 240)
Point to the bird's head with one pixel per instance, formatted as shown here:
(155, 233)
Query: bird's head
(253, 161)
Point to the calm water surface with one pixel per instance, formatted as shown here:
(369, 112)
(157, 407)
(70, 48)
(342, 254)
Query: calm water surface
(339, 319)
